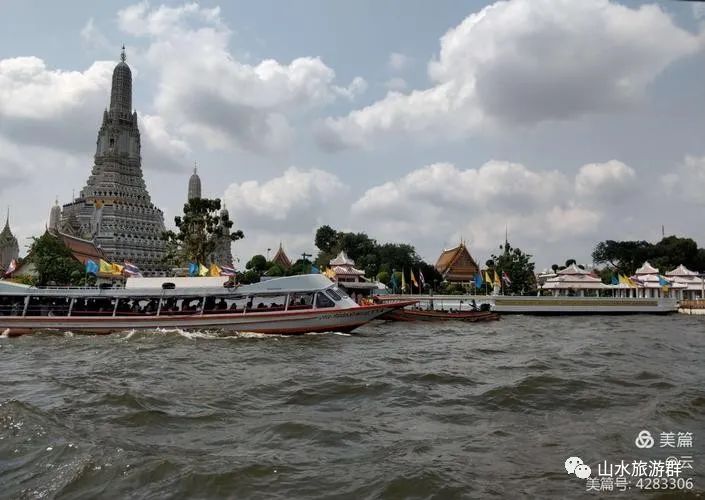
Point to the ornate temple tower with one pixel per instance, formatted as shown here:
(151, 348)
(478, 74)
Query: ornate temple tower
(114, 209)
(9, 248)
(223, 253)
(194, 185)
(55, 218)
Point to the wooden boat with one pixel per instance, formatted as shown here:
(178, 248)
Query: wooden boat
(406, 314)
(289, 305)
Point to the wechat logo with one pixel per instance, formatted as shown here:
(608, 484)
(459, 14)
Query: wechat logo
(574, 465)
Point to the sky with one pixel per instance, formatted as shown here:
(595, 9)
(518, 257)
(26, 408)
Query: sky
(561, 123)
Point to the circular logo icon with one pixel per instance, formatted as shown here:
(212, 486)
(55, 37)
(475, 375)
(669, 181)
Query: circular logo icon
(582, 471)
(572, 463)
(644, 440)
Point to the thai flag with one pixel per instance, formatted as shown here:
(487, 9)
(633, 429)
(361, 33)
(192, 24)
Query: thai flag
(506, 279)
(11, 268)
(227, 271)
(132, 270)
(422, 279)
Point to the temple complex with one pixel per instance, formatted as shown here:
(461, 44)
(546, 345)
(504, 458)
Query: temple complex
(457, 265)
(9, 248)
(114, 209)
(342, 270)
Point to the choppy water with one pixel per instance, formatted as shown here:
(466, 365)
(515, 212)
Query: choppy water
(398, 411)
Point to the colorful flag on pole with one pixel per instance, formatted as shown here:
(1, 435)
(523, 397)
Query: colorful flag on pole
(11, 268)
(92, 267)
(413, 281)
(227, 271)
(117, 269)
(615, 279)
(422, 279)
(105, 267)
(214, 270)
(479, 281)
(403, 281)
(663, 281)
(393, 281)
(193, 269)
(131, 270)
(202, 270)
(505, 278)
(487, 277)
(496, 279)
(315, 270)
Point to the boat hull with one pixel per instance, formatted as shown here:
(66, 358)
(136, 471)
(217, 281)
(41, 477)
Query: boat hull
(282, 323)
(421, 315)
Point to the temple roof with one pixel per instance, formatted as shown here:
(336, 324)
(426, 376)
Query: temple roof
(681, 271)
(194, 185)
(457, 264)
(646, 268)
(281, 258)
(121, 89)
(6, 236)
(572, 269)
(82, 250)
(342, 260)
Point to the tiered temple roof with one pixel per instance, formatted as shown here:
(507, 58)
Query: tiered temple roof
(9, 247)
(456, 264)
(575, 278)
(281, 259)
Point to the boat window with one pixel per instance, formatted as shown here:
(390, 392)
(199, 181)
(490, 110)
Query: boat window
(334, 295)
(266, 303)
(181, 306)
(47, 306)
(341, 292)
(99, 306)
(216, 305)
(323, 301)
(301, 300)
(236, 304)
(11, 306)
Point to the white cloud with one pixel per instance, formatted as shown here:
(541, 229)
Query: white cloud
(521, 62)
(398, 61)
(93, 38)
(161, 149)
(687, 182)
(203, 91)
(612, 180)
(442, 203)
(699, 11)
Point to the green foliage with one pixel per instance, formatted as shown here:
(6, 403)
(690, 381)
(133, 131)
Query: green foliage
(518, 267)
(384, 277)
(275, 271)
(198, 231)
(370, 256)
(250, 276)
(54, 262)
(627, 256)
(257, 263)
(25, 279)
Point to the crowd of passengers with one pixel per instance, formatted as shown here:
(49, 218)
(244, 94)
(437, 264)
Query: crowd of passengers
(48, 306)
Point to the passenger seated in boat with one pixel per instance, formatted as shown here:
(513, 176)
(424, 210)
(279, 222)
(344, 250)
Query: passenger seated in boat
(261, 306)
(221, 306)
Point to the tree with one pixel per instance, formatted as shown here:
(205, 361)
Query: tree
(257, 263)
(519, 268)
(54, 262)
(326, 238)
(626, 256)
(198, 231)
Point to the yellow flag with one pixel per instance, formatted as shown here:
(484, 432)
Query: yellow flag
(328, 273)
(487, 277)
(403, 281)
(413, 279)
(116, 268)
(106, 267)
(202, 270)
(496, 278)
(214, 270)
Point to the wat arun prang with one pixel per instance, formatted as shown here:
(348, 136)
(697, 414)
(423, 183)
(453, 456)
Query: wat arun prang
(114, 209)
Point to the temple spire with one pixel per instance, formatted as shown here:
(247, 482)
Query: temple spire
(123, 57)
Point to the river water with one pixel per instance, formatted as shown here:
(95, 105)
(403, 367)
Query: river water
(397, 411)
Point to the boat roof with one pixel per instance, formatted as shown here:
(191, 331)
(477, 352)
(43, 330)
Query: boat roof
(153, 288)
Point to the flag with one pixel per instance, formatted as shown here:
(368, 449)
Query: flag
(496, 279)
(203, 270)
(505, 278)
(11, 268)
(91, 267)
(487, 277)
(403, 281)
(116, 269)
(214, 270)
(227, 271)
(329, 273)
(315, 270)
(193, 269)
(105, 267)
(422, 279)
(478, 281)
(663, 281)
(131, 270)
(615, 279)
(413, 281)
(393, 281)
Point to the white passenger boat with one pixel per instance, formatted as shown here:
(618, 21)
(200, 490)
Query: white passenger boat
(290, 305)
